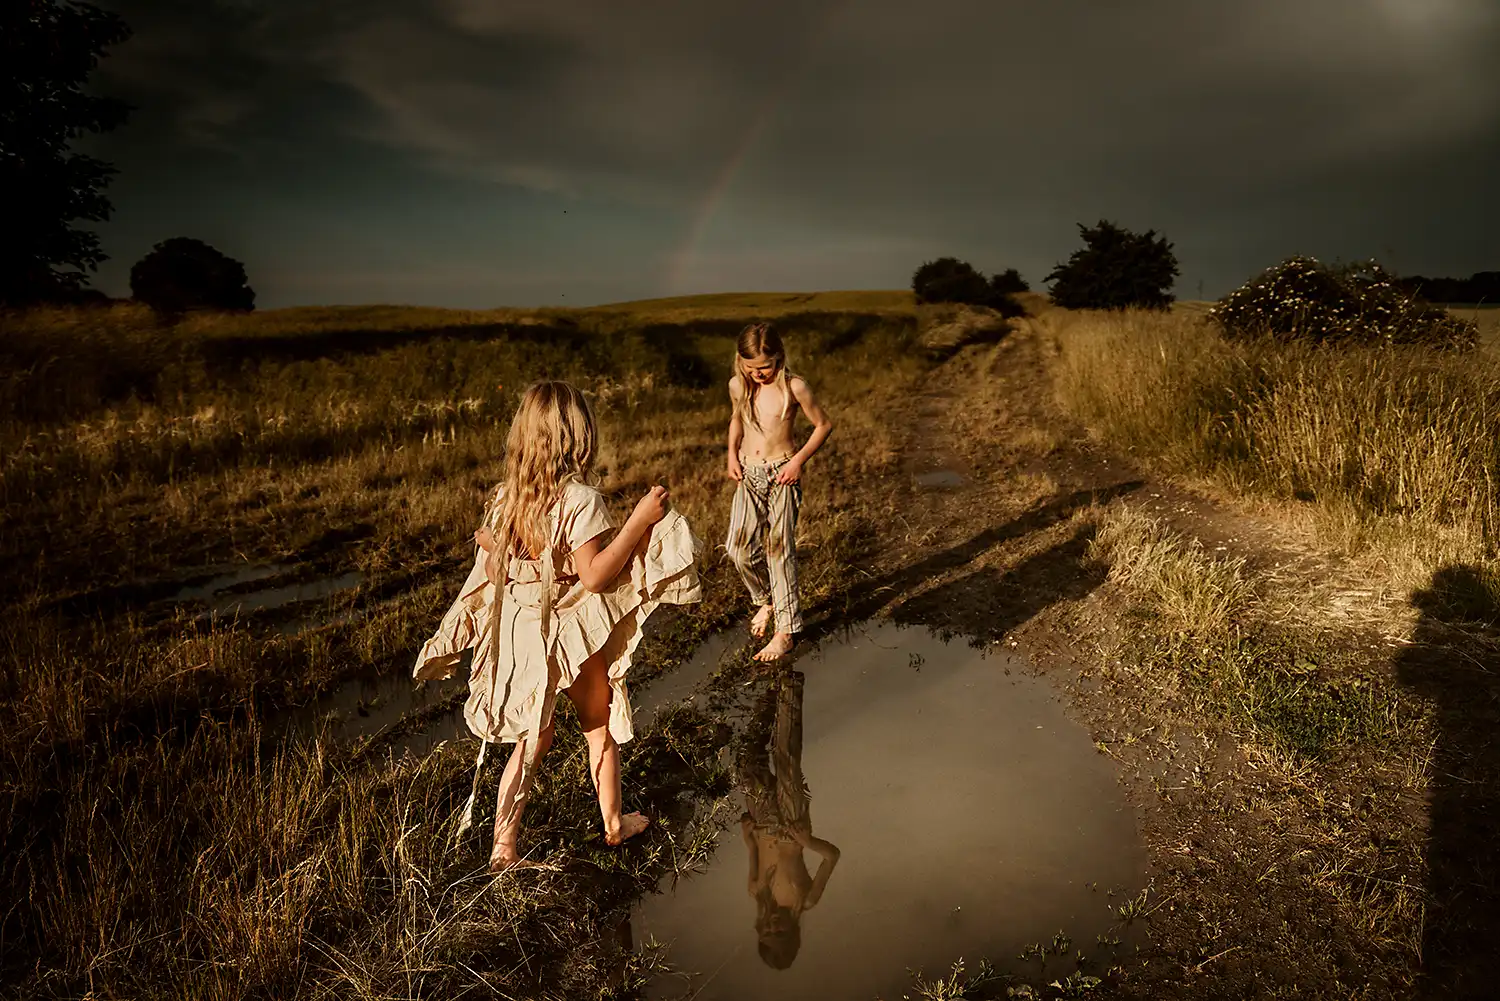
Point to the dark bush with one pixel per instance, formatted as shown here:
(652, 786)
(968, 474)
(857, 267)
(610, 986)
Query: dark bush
(1357, 303)
(948, 279)
(1480, 287)
(1116, 269)
(182, 274)
(1007, 282)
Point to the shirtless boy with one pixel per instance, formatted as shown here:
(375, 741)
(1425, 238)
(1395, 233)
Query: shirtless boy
(763, 460)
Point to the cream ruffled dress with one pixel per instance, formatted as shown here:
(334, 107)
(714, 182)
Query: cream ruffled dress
(548, 623)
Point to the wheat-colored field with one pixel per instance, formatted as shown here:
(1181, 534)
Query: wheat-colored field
(1487, 319)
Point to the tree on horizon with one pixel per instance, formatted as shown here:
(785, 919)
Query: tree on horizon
(1116, 269)
(182, 274)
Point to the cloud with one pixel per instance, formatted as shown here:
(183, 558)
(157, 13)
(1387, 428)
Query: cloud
(983, 128)
(604, 99)
(642, 99)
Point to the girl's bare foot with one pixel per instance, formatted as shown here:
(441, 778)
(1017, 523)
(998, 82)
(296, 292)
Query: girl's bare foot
(780, 646)
(630, 825)
(504, 857)
(762, 621)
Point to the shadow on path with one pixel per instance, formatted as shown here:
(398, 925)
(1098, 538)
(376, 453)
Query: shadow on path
(988, 603)
(1008, 599)
(1461, 676)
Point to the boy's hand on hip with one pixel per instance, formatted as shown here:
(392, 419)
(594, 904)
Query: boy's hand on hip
(789, 473)
(653, 507)
(736, 471)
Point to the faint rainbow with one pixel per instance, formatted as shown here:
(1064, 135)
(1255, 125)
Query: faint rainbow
(708, 206)
(713, 196)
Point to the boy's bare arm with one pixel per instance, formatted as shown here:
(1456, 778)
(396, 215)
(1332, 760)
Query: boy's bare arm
(736, 429)
(752, 880)
(830, 855)
(822, 428)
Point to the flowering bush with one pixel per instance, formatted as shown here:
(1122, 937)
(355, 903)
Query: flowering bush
(1303, 299)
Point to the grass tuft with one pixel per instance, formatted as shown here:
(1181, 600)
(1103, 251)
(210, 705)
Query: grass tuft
(1195, 592)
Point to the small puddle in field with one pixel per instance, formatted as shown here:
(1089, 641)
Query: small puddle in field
(206, 590)
(227, 596)
(275, 597)
(903, 802)
(366, 706)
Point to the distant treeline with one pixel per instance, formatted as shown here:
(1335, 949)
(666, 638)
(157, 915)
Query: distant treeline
(1482, 286)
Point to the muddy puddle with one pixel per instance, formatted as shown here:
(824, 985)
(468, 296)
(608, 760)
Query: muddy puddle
(416, 717)
(229, 594)
(900, 802)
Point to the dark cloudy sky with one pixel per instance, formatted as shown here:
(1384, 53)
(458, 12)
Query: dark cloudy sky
(489, 152)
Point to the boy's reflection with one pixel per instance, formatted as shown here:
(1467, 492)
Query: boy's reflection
(777, 825)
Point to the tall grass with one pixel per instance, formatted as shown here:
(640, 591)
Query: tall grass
(219, 867)
(1396, 447)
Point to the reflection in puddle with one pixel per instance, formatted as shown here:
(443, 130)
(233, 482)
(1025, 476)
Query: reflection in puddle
(777, 827)
(965, 814)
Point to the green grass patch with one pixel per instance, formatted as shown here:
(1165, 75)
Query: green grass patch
(1277, 692)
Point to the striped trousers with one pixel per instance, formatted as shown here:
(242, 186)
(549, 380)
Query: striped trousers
(763, 541)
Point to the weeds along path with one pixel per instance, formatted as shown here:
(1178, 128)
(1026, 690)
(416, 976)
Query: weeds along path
(1279, 731)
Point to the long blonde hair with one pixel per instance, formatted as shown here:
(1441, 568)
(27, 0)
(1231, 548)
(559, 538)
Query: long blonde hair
(755, 340)
(552, 441)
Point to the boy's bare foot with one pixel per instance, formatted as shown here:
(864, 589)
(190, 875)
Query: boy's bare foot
(780, 646)
(630, 825)
(761, 624)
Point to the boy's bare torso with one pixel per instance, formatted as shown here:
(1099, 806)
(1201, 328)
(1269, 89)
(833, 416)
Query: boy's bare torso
(772, 439)
(783, 868)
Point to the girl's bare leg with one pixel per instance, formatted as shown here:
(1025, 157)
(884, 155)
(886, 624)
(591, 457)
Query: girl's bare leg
(591, 697)
(511, 801)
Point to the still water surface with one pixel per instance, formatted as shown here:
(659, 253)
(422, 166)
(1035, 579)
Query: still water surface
(902, 802)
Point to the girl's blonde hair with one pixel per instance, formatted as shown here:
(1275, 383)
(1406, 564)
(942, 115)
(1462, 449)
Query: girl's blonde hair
(755, 340)
(553, 439)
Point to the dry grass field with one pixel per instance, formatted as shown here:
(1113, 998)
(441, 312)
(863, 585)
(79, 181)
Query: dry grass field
(161, 839)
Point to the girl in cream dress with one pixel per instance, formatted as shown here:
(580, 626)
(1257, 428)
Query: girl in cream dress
(555, 603)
